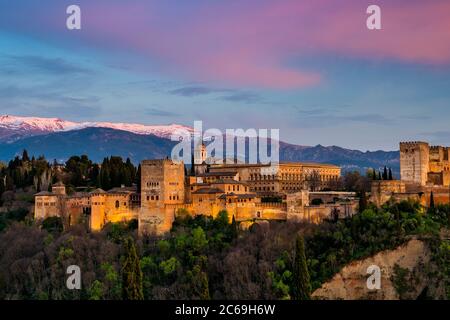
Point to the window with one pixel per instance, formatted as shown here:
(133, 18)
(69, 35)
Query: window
(117, 204)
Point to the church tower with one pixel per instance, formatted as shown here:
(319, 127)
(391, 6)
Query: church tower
(200, 157)
(200, 154)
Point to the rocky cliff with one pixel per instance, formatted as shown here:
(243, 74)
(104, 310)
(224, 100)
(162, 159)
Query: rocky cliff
(406, 273)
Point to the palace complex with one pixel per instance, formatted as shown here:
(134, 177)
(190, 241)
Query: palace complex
(248, 192)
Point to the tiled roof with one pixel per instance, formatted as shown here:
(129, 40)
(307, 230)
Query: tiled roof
(207, 191)
(45, 193)
(99, 190)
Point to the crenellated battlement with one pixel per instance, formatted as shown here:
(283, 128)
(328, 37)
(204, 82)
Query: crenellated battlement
(413, 144)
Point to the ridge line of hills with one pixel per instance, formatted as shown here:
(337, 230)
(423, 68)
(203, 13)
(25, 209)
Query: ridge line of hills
(100, 142)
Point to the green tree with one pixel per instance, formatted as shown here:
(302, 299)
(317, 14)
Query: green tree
(390, 176)
(199, 240)
(222, 219)
(138, 179)
(362, 201)
(385, 173)
(301, 287)
(132, 288)
(374, 174)
(198, 281)
(25, 156)
(234, 228)
(432, 206)
(53, 225)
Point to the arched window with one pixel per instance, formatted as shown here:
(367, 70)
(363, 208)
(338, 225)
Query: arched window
(117, 204)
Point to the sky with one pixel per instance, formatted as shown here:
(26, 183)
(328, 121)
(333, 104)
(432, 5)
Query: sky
(310, 68)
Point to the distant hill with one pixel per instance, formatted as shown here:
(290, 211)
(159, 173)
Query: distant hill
(346, 158)
(98, 143)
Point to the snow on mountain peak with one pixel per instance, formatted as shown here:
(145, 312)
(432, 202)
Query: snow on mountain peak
(17, 126)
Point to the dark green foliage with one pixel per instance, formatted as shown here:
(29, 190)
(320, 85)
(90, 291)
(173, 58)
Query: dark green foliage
(33, 264)
(118, 232)
(203, 257)
(7, 218)
(431, 207)
(362, 201)
(132, 288)
(374, 174)
(234, 232)
(385, 173)
(316, 202)
(23, 172)
(115, 173)
(137, 179)
(355, 182)
(401, 280)
(301, 286)
(53, 225)
(390, 177)
(81, 171)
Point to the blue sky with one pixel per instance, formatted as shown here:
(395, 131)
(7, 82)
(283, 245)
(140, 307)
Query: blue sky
(158, 62)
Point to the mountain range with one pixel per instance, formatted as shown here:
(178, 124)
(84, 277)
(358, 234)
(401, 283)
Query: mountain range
(59, 139)
(13, 128)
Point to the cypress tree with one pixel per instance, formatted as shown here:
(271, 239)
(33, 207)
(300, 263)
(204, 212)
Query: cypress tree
(432, 201)
(2, 188)
(301, 288)
(25, 156)
(374, 174)
(192, 166)
(234, 228)
(385, 173)
(390, 174)
(379, 175)
(362, 201)
(138, 179)
(132, 288)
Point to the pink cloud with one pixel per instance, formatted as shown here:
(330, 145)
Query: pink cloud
(253, 43)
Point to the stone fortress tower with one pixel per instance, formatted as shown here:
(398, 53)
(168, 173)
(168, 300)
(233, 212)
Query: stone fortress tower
(162, 190)
(423, 164)
(414, 162)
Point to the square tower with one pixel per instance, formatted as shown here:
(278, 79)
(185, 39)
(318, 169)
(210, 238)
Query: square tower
(414, 162)
(162, 192)
(162, 183)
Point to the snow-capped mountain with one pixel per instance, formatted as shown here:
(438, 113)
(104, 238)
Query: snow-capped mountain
(13, 128)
